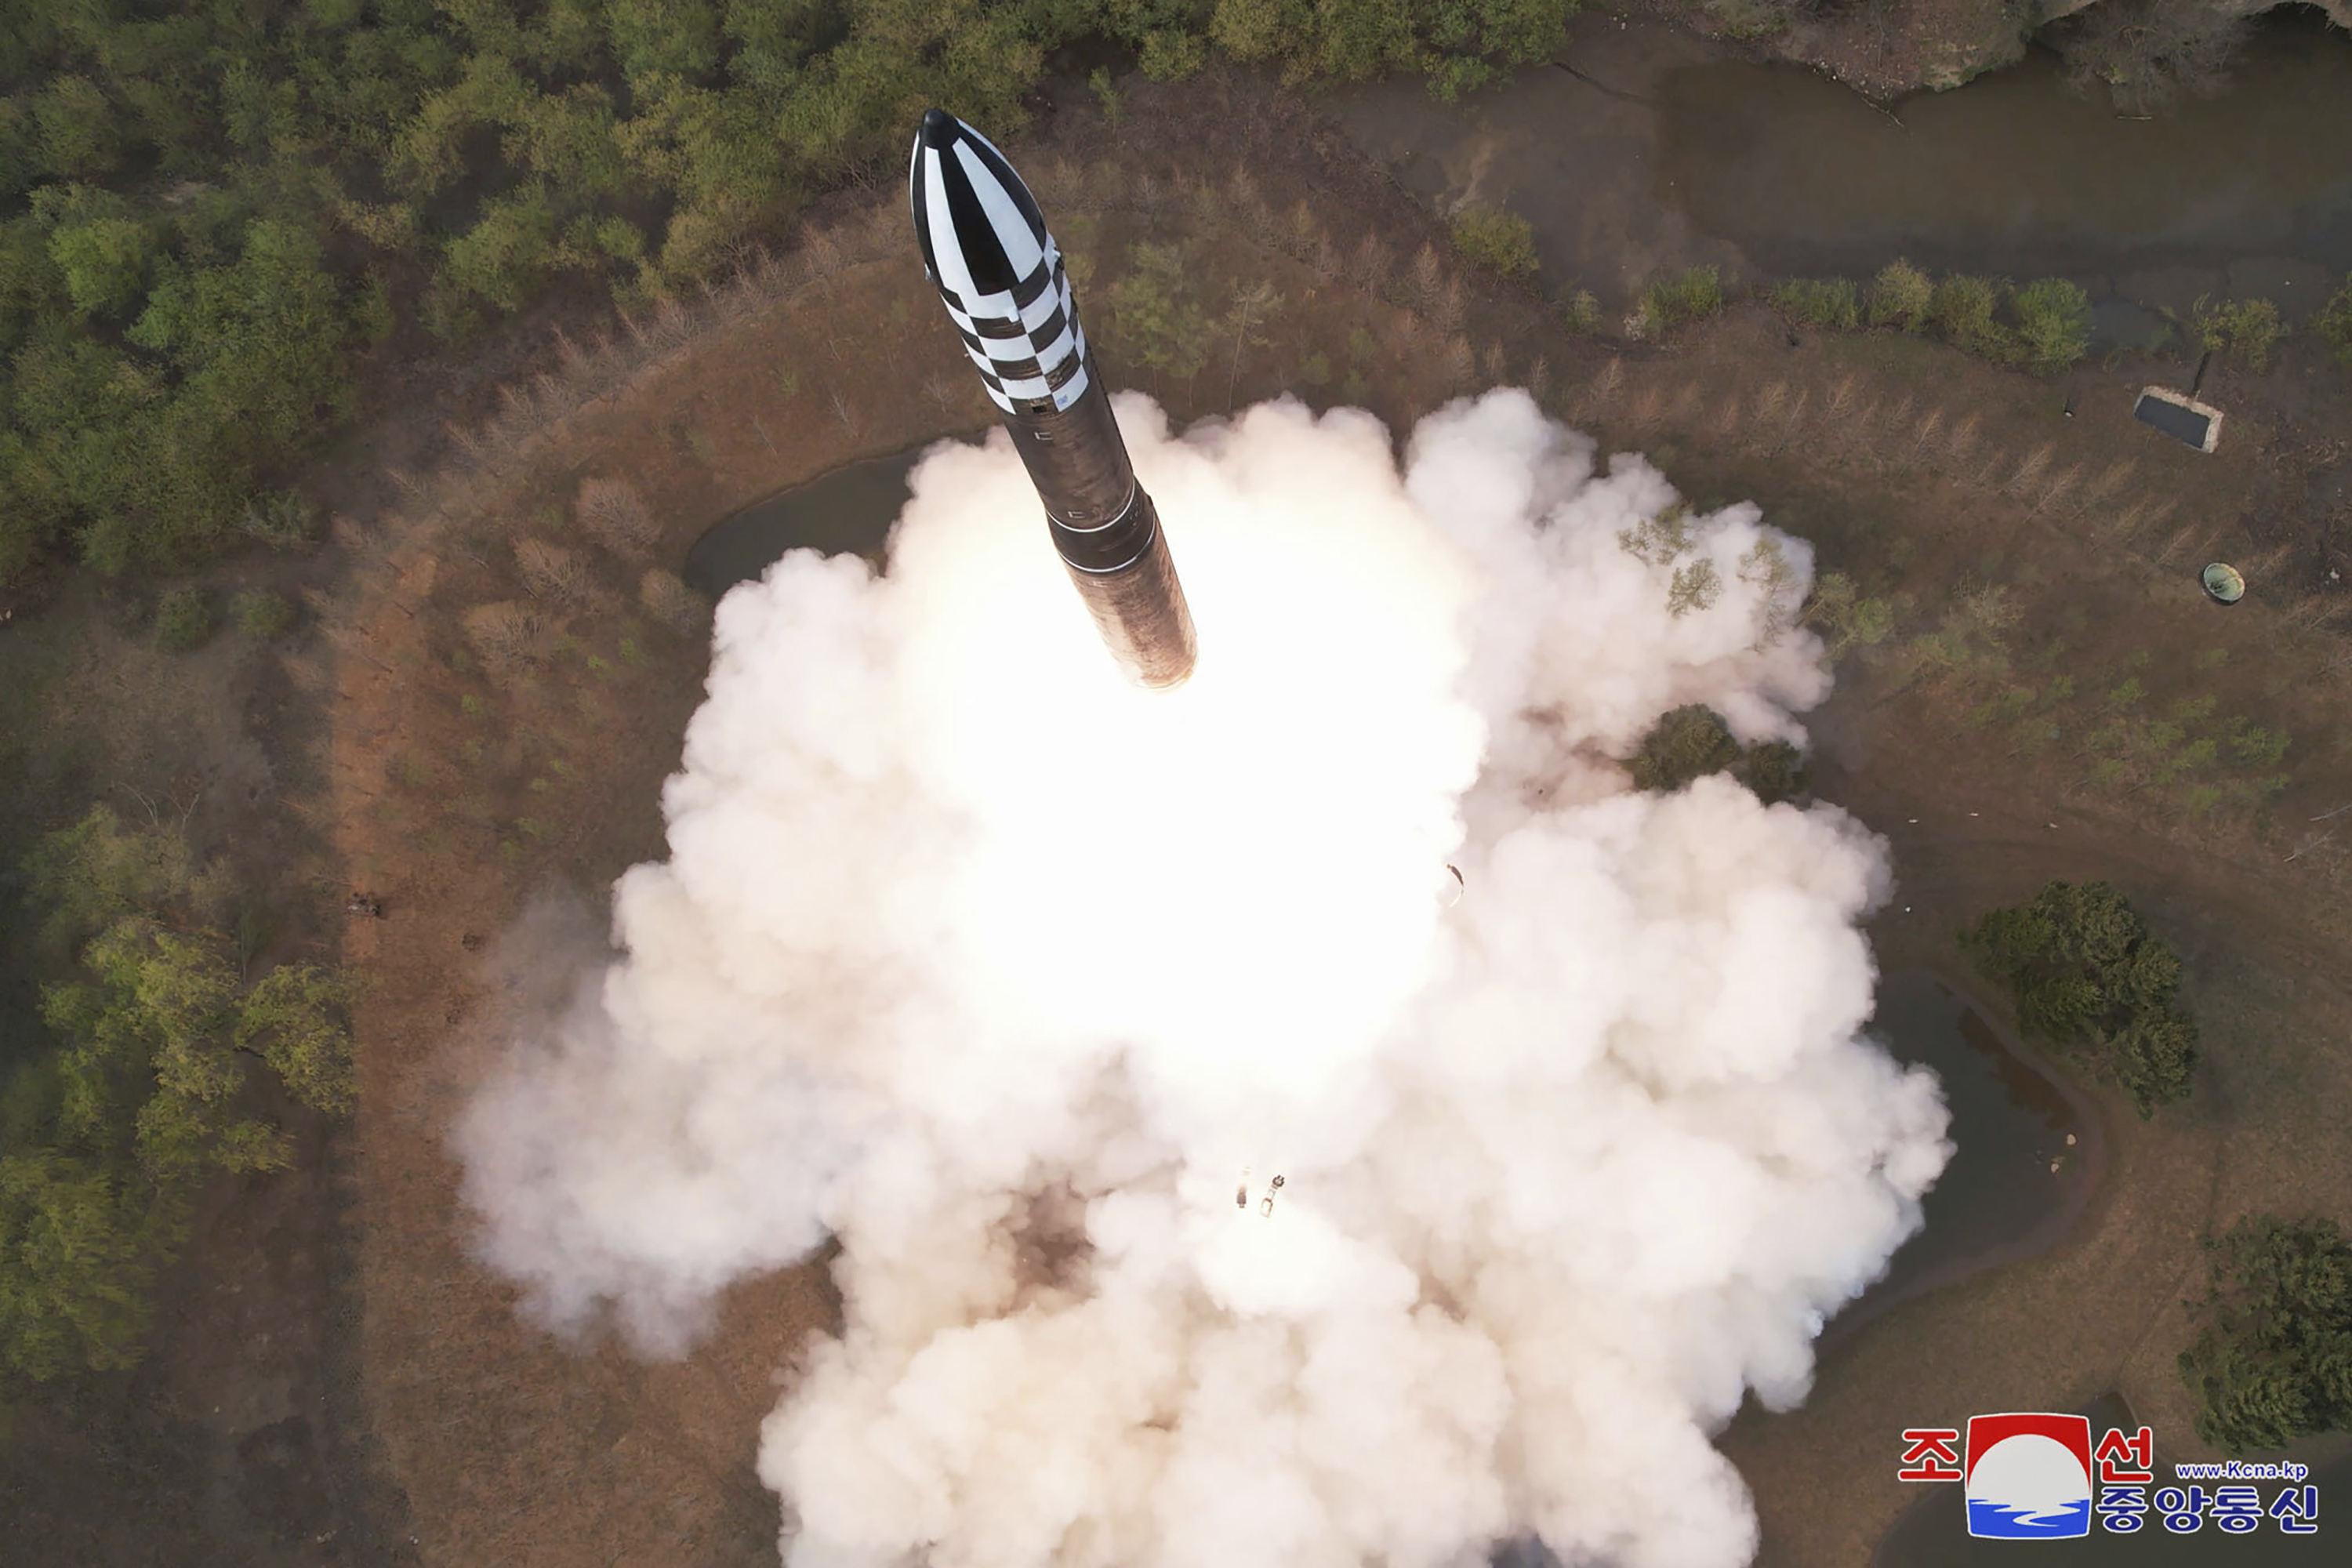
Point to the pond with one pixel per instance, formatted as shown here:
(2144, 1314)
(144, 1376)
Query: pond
(2029, 1150)
(1647, 149)
(2018, 172)
(848, 510)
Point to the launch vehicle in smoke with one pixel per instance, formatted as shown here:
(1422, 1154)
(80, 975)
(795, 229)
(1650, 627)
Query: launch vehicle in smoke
(1000, 273)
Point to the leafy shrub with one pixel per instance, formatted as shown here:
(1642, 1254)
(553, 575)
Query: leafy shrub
(1829, 303)
(183, 619)
(1172, 54)
(260, 613)
(1693, 741)
(2274, 1335)
(1580, 311)
(2088, 975)
(1669, 303)
(2053, 323)
(1156, 315)
(2249, 329)
(1495, 239)
(2334, 321)
(1902, 297)
(1960, 311)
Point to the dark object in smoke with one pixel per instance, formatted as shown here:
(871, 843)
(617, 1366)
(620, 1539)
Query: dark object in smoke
(986, 250)
(1265, 1209)
(1693, 741)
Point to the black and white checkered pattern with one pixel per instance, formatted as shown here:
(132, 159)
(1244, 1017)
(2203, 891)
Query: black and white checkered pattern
(998, 270)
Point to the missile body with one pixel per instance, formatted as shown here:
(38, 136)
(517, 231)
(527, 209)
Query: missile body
(1000, 273)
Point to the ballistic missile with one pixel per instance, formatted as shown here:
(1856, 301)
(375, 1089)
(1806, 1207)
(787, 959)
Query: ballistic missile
(1000, 273)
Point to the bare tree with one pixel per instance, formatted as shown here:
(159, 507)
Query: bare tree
(504, 636)
(616, 514)
(668, 600)
(2147, 52)
(551, 571)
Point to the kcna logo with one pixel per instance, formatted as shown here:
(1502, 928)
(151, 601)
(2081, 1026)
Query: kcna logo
(2028, 1475)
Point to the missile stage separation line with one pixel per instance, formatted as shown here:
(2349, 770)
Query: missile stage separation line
(987, 250)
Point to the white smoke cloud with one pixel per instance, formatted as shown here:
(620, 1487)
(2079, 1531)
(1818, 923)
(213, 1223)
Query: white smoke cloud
(1003, 972)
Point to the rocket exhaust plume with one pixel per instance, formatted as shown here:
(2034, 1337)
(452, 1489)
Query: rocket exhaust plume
(1577, 1149)
(987, 250)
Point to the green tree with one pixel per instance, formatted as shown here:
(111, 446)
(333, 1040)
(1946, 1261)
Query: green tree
(508, 252)
(1496, 239)
(2334, 321)
(1829, 303)
(105, 262)
(1844, 617)
(1158, 317)
(2053, 323)
(74, 1268)
(1692, 741)
(293, 1019)
(80, 135)
(1902, 297)
(2271, 1361)
(1694, 296)
(2085, 973)
(2248, 329)
(1961, 312)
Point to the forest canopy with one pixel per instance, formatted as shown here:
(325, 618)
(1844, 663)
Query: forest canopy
(147, 1076)
(208, 210)
(2273, 1357)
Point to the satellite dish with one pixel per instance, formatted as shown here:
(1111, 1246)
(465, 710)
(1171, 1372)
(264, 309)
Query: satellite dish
(2225, 584)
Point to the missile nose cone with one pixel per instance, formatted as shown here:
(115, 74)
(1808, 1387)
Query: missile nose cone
(938, 128)
(984, 241)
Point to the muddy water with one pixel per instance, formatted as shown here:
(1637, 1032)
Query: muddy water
(2019, 173)
(847, 511)
(1646, 150)
(1999, 1199)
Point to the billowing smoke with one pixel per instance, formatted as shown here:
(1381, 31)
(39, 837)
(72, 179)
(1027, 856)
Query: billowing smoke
(1005, 975)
